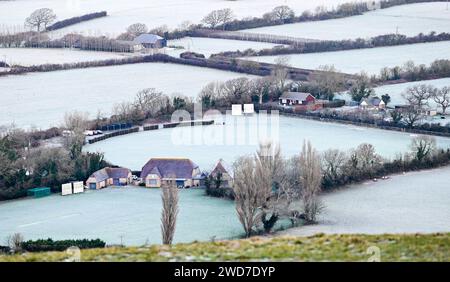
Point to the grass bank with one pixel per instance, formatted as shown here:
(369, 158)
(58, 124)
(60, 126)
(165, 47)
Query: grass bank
(411, 247)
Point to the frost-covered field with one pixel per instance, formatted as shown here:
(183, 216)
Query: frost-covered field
(134, 150)
(153, 13)
(208, 46)
(41, 99)
(396, 90)
(369, 60)
(34, 56)
(407, 19)
(414, 202)
(417, 202)
(128, 215)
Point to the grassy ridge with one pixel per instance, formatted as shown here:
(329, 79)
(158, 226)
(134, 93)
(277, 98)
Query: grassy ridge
(414, 247)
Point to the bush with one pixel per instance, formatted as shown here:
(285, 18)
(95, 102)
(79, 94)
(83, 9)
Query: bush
(42, 245)
(75, 20)
(226, 193)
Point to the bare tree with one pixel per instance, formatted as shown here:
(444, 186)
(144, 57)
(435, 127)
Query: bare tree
(137, 29)
(411, 116)
(169, 212)
(442, 97)
(76, 121)
(418, 95)
(282, 13)
(261, 87)
(329, 81)
(310, 179)
(149, 102)
(333, 162)
(218, 17)
(237, 90)
(248, 196)
(15, 242)
(39, 18)
(423, 147)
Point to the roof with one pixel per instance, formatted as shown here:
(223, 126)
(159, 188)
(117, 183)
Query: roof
(147, 38)
(301, 96)
(222, 167)
(108, 172)
(169, 167)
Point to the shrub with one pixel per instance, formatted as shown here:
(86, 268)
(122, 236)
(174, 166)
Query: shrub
(43, 245)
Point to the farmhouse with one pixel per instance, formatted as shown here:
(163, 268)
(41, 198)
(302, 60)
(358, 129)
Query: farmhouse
(108, 176)
(224, 172)
(159, 172)
(296, 98)
(151, 41)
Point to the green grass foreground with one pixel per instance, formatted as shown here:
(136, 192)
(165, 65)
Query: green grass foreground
(414, 247)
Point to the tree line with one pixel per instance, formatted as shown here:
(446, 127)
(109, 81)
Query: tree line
(24, 166)
(339, 45)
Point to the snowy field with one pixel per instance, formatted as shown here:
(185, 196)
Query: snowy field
(154, 13)
(208, 46)
(417, 202)
(31, 56)
(42, 99)
(134, 150)
(369, 60)
(407, 19)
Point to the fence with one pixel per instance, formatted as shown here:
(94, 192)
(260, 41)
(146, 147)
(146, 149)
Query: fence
(113, 134)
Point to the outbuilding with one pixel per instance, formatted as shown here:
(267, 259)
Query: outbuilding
(116, 176)
(151, 41)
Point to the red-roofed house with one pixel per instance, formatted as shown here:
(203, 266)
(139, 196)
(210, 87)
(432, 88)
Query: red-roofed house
(158, 172)
(296, 98)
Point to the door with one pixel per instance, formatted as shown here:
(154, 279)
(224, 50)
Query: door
(116, 182)
(180, 183)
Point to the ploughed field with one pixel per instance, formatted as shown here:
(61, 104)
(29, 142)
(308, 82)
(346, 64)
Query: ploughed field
(416, 202)
(406, 19)
(371, 60)
(42, 99)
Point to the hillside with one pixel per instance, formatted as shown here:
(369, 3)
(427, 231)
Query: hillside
(414, 247)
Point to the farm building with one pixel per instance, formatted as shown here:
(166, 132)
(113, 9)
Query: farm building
(296, 98)
(108, 176)
(151, 41)
(224, 172)
(159, 172)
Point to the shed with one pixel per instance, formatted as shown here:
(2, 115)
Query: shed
(39, 192)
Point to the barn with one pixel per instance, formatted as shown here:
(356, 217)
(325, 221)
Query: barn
(151, 41)
(108, 176)
(158, 172)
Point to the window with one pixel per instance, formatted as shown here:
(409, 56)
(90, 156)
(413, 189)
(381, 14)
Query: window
(152, 182)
